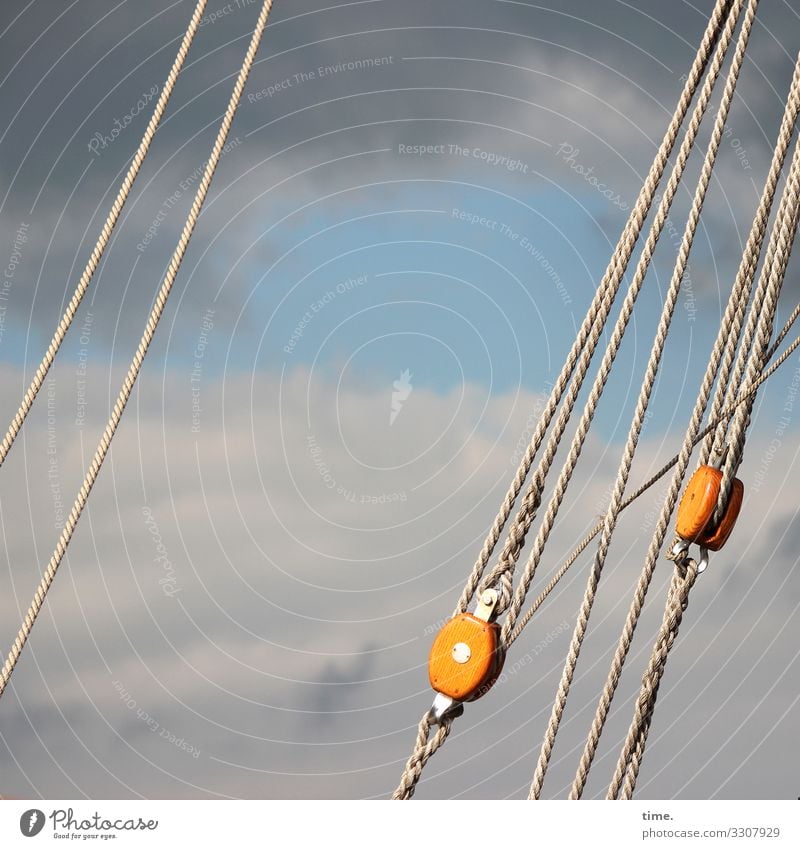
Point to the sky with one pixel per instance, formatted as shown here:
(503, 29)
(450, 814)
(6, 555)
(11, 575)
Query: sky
(413, 212)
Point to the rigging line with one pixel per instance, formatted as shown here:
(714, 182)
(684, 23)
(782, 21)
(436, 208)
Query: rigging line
(585, 343)
(737, 430)
(503, 571)
(406, 784)
(743, 364)
(656, 354)
(725, 414)
(781, 240)
(425, 749)
(104, 237)
(141, 351)
(619, 329)
(725, 345)
(711, 37)
(677, 602)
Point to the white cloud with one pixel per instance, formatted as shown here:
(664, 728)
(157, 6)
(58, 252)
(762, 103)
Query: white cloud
(300, 620)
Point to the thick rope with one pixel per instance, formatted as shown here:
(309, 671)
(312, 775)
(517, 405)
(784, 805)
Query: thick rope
(636, 751)
(725, 344)
(423, 751)
(725, 414)
(104, 237)
(773, 275)
(633, 748)
(138, 358)
(584, 345)
(531, 498)
(618, 332)
(591, 329)
(643, 401)
(782, 234)
(729, 386)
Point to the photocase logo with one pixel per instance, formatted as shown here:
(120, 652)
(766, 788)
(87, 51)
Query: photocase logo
(31, 822)
(402, 389)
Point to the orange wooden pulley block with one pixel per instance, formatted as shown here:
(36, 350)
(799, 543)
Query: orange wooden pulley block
(715, 537)
(698, 505)
(464, 660)
(699, 502)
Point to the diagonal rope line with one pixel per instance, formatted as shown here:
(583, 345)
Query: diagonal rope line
(763, 331)
(771, 281)
(616, 339)
(750, 358)
(643, 401)
(104, 237)
(585, 343)
(590, 334)
(725, 414)
(677, 600)
(138, 358)
(724, 346)
(411, 774)
(424, 749)
(421, 746)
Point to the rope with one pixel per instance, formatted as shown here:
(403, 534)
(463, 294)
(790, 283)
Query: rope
(722, 352)
(138, 358)
(760, 324)
(726, 413)
(582, 349)
(588, 337)
(413, 769)
(619, 330)
(644, 398)
(423, 751)
(770, 282)
(633, 748)
(103, 239)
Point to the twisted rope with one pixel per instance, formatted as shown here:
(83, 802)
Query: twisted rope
(583, 349)
(633, 749)
(424, 749)
(770, 283)
(104, 237)
(725, 414)
(643, 401)
(760, 323)
(138, 358)
(725, 343)
(581, 352)
(619, 330)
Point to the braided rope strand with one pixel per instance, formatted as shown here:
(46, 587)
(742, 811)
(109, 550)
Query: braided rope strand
(633, 748)
(726, 341)
(589, 339)
(725, 414)
(772, 276)
(586, 340)
(104, 237)
(616, 339)
(138, 358)
(424, 749)
(648, 382)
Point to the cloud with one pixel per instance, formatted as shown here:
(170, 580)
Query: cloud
(279, 625)
(247, 605)
(605, 82)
